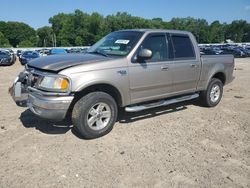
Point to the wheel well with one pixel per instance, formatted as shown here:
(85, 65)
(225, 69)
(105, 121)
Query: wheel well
(221, 76)
(109, 89)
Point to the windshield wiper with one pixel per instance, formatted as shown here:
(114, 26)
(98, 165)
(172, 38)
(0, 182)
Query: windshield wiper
(100, 52)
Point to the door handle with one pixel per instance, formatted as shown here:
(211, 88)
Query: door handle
(164, 68)
(193, 65)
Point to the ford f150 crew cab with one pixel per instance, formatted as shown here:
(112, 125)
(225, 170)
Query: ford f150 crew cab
(134, 69)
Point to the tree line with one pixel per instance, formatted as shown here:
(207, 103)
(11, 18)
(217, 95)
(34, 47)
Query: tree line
(80, 29)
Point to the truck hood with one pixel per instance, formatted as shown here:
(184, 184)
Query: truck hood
(59, 62)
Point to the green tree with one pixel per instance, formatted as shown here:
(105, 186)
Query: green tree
(65, 43)
(57, 22)
(4, 42)
(16, 32)
(78, 41)
(97, 26)
(26, 43)
(246, 35)
(81, 28)
(45, 36)
(199, 27)
(237, 30)
(216, 32)
(3, 27)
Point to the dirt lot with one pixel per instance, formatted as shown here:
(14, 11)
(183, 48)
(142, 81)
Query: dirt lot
(184, 145)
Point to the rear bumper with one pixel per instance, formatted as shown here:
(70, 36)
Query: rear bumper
(48, 107)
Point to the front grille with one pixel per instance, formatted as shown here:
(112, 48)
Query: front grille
(32, 77)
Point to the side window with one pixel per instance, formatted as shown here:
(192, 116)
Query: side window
(183, 47)
(157, 44)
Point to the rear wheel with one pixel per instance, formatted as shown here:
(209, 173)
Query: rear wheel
(212, 96)
(95, 114)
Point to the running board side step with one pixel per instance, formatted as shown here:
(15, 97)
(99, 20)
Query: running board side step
(138, 108)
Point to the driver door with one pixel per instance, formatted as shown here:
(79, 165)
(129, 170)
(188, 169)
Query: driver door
(151, 79)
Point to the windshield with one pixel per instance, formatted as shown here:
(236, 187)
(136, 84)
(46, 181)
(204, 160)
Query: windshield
(117, 43)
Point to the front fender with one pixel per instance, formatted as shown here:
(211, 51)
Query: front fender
(111, 77)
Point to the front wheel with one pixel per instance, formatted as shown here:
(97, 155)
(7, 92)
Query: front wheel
(95, 114)
(212, 96)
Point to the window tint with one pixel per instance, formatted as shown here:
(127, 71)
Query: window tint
(183, 47)
(157, 44)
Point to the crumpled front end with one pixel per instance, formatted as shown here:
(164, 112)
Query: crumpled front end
(48, 105)
(19, 90)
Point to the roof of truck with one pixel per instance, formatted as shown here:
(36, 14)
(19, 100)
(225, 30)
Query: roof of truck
(157, 30)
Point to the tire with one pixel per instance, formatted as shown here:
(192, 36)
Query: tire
(94, 115)
(212, 96)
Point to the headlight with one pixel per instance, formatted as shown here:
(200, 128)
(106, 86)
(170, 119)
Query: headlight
(50, 83)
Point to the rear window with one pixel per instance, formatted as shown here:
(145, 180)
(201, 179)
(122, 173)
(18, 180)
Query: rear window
(183, 47)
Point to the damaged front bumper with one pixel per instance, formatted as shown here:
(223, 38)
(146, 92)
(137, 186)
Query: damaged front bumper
(49, 107)
(19, 91)
(53, 106)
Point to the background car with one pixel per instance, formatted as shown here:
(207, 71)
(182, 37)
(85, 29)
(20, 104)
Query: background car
(13, 56)
(246, 51)
(234, 49)
(55, 51)
(236, 52)
(209, 51)
(5, 58)
(18, 53)
(77, 50)
(26, 56)
(43, 52)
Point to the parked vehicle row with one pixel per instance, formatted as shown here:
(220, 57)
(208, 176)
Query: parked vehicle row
(27, 56)
(77, 50)
(236, 51)
(8, 57)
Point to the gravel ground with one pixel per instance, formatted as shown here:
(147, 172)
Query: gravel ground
(183, 145)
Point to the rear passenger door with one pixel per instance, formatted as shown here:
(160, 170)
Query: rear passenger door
(186, 66)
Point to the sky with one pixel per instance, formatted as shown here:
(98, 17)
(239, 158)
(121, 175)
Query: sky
(36, 13)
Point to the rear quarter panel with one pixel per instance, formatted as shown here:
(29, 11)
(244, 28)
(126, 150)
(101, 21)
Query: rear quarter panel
(212, 64)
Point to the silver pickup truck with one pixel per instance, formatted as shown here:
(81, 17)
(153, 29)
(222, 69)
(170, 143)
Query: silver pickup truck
(134, 69)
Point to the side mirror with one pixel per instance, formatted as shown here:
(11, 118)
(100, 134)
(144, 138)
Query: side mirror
(145, 54)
